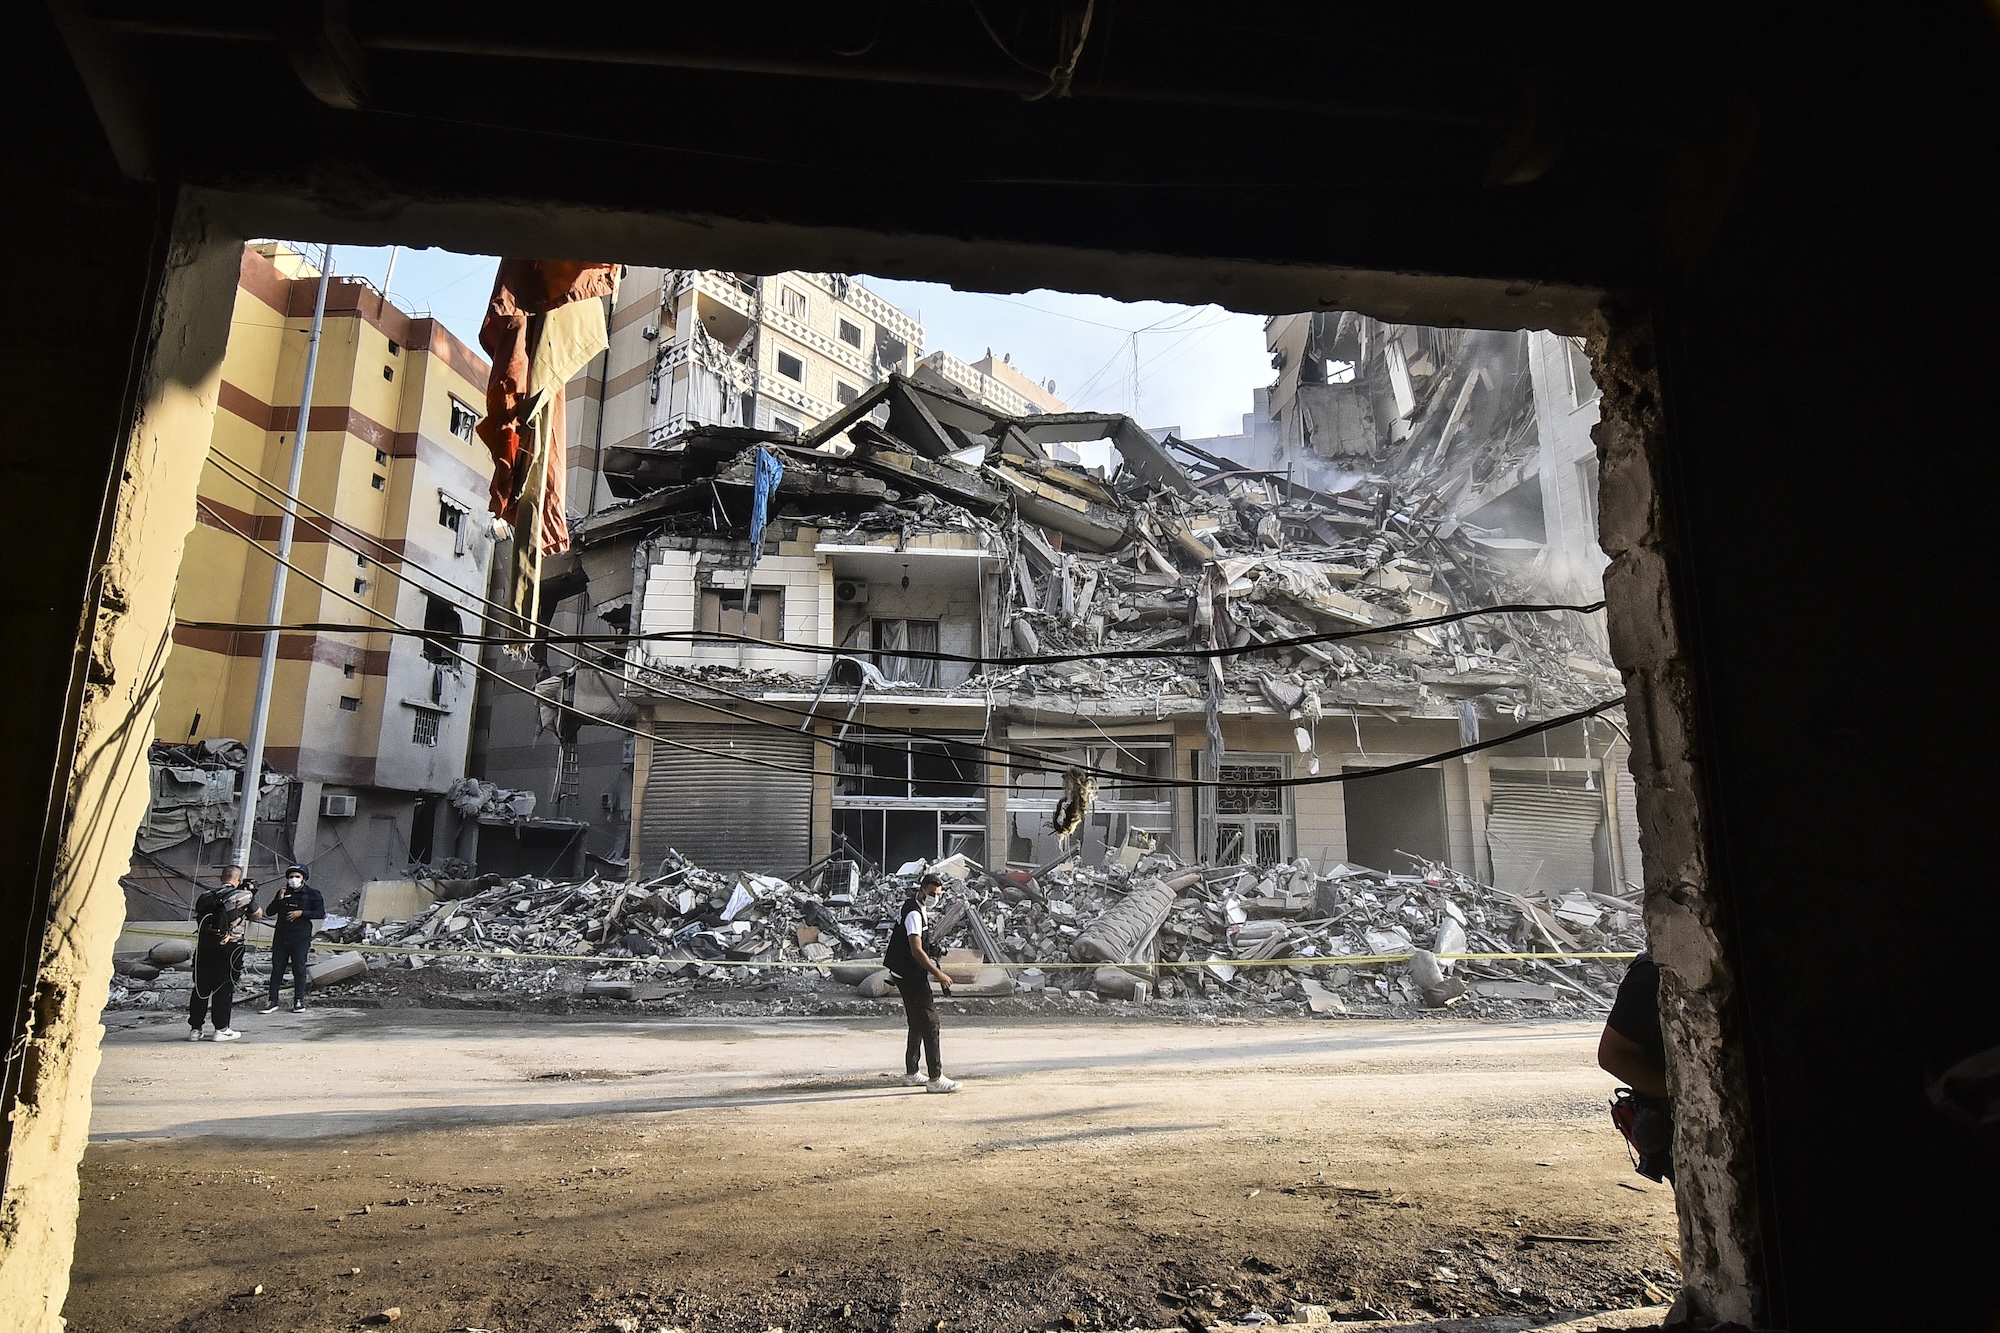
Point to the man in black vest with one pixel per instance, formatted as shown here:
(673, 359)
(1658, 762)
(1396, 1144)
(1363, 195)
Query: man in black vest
(294, 914)
(910, 957)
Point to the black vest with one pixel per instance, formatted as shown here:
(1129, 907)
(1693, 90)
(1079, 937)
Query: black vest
(897, 957)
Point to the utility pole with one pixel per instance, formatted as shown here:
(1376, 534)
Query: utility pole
(267, 667)
(1135, 377)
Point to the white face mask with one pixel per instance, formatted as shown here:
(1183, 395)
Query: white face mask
(293, 881)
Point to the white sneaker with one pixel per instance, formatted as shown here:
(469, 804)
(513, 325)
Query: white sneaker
(941, 1084)
(914, 1080)
(231, 1034)
(194, 1034)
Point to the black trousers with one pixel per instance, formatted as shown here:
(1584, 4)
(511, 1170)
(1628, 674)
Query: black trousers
(216, 968)
(290, 953)
(921, 1011)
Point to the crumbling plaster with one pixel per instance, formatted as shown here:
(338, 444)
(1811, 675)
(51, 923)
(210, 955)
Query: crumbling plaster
(1700, 1004)
(128, 639)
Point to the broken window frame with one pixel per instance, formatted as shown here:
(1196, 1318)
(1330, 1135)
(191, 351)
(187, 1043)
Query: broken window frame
(1118, 811)
(755, 613)
(865, 799)
(464, 420)
(453, 513)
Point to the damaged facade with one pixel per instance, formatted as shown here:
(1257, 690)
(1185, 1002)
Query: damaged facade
(368, 731)
(918, 521)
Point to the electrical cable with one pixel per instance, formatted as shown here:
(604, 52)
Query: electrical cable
(1122, 781)
(260, 484)
(1312, 780)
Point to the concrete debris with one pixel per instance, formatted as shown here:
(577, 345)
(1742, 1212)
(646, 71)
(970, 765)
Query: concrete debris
(1231, 939)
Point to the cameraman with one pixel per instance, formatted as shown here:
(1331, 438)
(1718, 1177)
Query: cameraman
(294, 914)
(219, 916)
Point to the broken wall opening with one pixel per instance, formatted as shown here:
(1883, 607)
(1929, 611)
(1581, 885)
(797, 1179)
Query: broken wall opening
(1256, 839)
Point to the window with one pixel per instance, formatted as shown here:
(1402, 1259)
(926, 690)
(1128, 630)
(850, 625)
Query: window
(900, 801)
(846, 393)
(463, 419)
(850, 333)
(360, 560)
(1582, 389)
(791, 367)
(1121, 809)
(347, 671)
(379, 482)
(456, 516)
(424, 731)
(440, 618)
(388, 372)
(349, 704)
(1251, 822)
(395, 348)
(759, 614)
(360, 586)
(785, 424)
(891, 638)
(792, 303)
(380, 458)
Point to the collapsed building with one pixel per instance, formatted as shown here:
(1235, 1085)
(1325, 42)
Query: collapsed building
(951, 608)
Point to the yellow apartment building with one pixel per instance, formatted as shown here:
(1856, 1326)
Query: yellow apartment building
(374, 727)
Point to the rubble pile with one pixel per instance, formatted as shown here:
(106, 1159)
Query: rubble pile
(1223, 940)
(1160, 548)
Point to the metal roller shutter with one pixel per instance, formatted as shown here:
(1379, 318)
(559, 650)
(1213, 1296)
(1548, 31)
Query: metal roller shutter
(1628, 827)
(729, 816)
(1541, 837)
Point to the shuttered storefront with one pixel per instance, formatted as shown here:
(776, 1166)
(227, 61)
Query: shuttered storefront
(729, 816)
(1628, 830)
(1543, 838)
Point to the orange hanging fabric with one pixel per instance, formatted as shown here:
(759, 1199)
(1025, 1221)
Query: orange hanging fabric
(526, 293)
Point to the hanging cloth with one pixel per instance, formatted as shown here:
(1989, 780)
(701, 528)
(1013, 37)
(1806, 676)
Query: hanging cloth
(543, 324)
(770, 471)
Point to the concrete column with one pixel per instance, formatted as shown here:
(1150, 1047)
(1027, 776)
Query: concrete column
(1700, 1006)
(305, 837)
(151, 512)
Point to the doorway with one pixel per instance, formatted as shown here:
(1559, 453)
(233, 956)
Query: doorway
(1394, 816)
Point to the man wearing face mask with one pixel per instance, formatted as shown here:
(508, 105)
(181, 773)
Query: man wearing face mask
(294, 914)
(911, 958)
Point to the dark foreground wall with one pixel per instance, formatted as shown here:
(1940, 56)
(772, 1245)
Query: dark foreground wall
(1788, 219)
(1823, 373)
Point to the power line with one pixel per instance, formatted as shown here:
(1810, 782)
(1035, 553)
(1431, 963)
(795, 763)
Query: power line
(257, 482)
(668, 672)
(1127, 780)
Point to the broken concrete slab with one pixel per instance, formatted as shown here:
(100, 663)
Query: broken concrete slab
(337, 968)
(1514, 990)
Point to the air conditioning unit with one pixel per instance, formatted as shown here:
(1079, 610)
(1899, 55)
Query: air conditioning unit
(650, 332)
(337, 807)
(847, 592)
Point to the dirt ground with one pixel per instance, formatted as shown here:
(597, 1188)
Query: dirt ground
(524, 1172)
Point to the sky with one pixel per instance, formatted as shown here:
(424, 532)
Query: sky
(1197, 365)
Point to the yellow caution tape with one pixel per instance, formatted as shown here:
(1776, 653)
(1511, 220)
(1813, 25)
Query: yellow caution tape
(152, 931)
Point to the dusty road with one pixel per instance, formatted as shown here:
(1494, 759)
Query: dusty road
(510, 1172)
